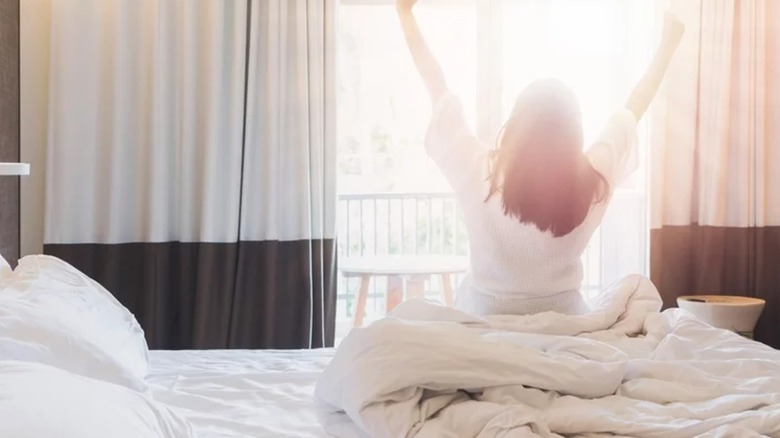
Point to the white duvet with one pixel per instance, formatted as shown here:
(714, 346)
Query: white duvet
(623, 370)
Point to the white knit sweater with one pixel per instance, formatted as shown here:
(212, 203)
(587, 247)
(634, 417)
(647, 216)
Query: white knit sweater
(516, 268)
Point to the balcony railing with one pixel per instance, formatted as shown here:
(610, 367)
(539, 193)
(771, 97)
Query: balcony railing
(404, 223)
(395, 224)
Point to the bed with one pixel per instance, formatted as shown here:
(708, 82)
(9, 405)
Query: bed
(247, 393)
(74, 364)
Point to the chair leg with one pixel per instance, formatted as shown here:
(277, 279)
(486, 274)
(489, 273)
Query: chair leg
(360, 306)
(446, 281)
(415, 286)
(395, 292)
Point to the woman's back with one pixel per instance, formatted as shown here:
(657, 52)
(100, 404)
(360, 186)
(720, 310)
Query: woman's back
(515, 263)
(517, 259)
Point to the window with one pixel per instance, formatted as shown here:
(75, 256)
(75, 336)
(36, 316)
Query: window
(490, 50)
(383, 106)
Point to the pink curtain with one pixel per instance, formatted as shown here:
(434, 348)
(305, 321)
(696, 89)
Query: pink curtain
(715, 169)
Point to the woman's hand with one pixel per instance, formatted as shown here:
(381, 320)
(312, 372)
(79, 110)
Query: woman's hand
(427, 66)
(405, 5)
(673, 28)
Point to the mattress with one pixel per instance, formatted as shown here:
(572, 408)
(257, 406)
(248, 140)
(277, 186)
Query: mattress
(247, 393)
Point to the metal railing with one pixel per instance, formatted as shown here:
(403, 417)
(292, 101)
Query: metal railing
(403, 223)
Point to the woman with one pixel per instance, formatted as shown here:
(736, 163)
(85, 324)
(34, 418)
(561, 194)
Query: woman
(531, 206)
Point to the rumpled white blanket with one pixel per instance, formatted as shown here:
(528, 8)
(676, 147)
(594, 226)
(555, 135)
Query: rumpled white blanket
(625, 369)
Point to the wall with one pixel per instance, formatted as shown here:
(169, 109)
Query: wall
(34, 19)
(9, 127)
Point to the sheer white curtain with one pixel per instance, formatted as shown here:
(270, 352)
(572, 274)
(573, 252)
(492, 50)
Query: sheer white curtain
(145, 121)
(717, 120)
(289, 164)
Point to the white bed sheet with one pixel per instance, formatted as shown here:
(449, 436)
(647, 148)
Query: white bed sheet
(246, 393)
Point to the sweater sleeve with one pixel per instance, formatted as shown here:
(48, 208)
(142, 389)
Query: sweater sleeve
(614, 154)
(451, 144)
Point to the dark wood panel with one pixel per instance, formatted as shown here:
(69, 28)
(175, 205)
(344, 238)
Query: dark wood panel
(9, 127)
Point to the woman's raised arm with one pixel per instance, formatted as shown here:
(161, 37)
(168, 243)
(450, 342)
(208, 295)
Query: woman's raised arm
(645, 90)
(429, 69)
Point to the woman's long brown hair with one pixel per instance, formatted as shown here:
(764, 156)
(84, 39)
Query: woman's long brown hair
(540, 169)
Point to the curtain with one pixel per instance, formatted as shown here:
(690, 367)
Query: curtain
(150, 177)
(288, 219)
(716, 180)
(9, 128)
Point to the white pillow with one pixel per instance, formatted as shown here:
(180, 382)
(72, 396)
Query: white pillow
(40, 401)
(53, 314)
